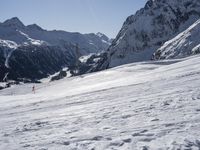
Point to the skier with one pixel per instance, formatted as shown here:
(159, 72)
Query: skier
(33, 89)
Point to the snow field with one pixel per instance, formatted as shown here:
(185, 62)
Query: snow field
(147, 105)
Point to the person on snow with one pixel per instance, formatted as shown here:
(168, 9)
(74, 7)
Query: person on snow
(33, 89)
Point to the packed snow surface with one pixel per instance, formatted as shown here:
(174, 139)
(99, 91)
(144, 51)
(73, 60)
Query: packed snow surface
(147, 105)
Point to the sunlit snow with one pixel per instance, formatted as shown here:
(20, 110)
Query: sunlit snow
(147, 105)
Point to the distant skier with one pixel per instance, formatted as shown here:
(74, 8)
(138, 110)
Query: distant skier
(33, 89)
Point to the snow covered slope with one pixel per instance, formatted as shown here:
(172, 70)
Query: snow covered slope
(147, 105)
(150, 27)
(185, 44)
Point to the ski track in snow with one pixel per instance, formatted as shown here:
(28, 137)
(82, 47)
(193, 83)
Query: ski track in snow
(149, 105)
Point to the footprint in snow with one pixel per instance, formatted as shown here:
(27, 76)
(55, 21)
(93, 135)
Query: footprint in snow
(66, 143)
(117, 143)
(128, 140)
(153, 120)
(97, 138)
(126, 116)
(143, 133)
(31, 127)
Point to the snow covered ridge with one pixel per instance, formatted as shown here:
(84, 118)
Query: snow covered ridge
(184, 44)
(146, 31)
(14, 30)
(9, 47)
(139, 106)
(9, 44)
(31, 41)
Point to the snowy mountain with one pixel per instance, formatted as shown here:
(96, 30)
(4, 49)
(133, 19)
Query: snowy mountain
(104, 38)
(14, 30)
(33, 62)
(150, 27)
(139, 106)
(13, 23)
(32, 52)
(185, 44)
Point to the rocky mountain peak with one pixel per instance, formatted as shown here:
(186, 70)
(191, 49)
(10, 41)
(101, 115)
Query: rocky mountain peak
(13, 22)
(34, 27)
(100, 34)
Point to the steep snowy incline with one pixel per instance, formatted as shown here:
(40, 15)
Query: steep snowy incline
(147, 105)
(184, 44)
(143, 33)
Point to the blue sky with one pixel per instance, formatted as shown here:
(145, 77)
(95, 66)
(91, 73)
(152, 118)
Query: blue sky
(85, 16)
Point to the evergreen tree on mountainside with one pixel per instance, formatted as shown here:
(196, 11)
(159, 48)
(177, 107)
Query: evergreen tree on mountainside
(75, 68)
